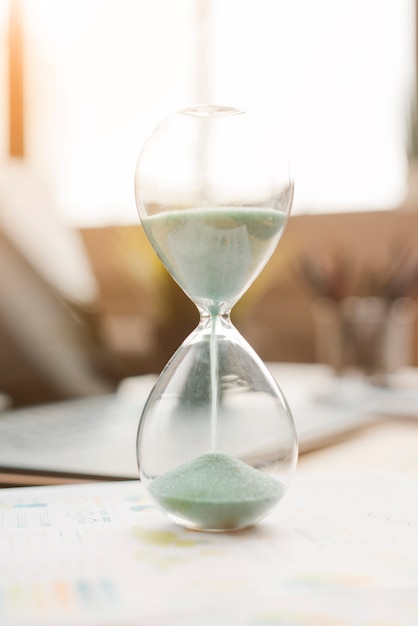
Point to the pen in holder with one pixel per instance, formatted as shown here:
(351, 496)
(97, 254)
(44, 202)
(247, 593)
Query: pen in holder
(364, 316)
(369, 336)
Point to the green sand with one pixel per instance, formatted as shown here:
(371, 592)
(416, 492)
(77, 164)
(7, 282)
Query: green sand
(216, 491)
(215, 253)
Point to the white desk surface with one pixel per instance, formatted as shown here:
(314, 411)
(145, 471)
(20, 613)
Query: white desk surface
(340, 550)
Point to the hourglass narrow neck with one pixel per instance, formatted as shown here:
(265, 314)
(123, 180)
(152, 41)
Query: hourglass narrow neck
(218, 318)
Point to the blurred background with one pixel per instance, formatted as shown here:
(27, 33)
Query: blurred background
(83, 300)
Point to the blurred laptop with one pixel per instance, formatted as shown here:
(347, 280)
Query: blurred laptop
(94, 438)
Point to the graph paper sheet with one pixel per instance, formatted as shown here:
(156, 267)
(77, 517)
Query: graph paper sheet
(335, 551)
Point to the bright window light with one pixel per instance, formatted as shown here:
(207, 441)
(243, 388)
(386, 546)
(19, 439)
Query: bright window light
(335, 77)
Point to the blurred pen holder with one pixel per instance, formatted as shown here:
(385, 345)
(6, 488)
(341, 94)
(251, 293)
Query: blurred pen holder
(366, 336)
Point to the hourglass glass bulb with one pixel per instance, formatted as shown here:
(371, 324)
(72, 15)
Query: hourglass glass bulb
(213, 198)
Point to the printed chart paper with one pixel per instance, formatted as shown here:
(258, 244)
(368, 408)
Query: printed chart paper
(337, 552)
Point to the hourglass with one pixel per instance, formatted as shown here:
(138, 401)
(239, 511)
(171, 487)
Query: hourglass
(216, 442)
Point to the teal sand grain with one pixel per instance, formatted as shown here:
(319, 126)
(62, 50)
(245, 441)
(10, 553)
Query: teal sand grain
(216, 491)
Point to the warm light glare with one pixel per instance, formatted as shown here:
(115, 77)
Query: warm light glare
(4, 134)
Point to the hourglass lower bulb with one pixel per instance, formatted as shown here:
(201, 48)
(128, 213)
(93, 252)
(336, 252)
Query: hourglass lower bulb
(216, 441)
